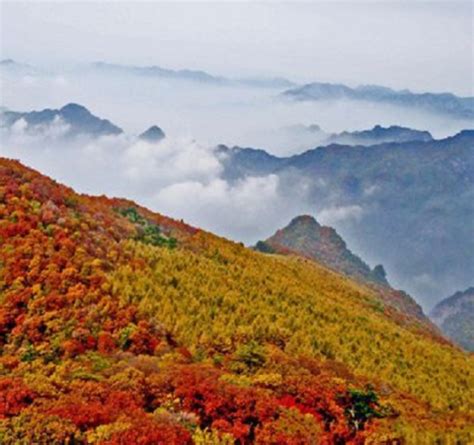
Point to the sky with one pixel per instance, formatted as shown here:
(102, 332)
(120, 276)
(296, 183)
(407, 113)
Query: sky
(406, 44)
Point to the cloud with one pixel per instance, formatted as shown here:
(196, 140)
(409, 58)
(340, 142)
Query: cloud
(241, 210)
(371, 189)
(425, 280)
(19, 127)
(178, 177)
(170, 161)
(23, 133)
(334, 215)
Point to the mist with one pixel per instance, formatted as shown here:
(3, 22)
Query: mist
(177, 177)
(209, 113)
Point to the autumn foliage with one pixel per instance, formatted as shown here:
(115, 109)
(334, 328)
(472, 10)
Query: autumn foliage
(121, 326)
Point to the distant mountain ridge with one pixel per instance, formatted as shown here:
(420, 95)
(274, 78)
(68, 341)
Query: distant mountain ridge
(445, 103)
(79, 119)
(12, 66)
(379, 135)
(455, 316)
(442, 103)
(192, 75)
(304, 235)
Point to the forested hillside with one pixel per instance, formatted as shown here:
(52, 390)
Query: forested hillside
(121, 326)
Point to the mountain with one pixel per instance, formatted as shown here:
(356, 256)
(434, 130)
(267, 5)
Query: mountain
(10, 66)
(444, 103)
(191, 75)
(7, 62)
(153, 134)
(157, 71)
(316, 136)
(120, 325)
(455, 316)
(411, 197)
(239, 162)
(305, 236)
(77, 120)
(378, 135)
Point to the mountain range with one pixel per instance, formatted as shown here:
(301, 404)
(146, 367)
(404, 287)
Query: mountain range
(376, 172)
(446, 104)
(443, 103)
(455, 316)
(398, 206)
(13, 67)
(414, 196)
(190, 75)
(77, 120)
(120, 325)
(378, 135)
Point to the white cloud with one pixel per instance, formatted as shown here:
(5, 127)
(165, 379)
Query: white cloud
(170, 161)
(371, 189)
(19, 127)
(238, 210)
(334, 215)
(177, 177)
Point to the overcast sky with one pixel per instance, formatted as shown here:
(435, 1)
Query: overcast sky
(407, 44)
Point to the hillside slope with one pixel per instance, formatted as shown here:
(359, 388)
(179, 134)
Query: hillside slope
(455, 316)
(118, 325)
(306, 237)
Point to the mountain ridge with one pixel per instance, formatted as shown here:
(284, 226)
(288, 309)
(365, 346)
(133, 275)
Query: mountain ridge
(192, 75)
(379, 135)
(455, 317)
(402, 207)
(78, 119)
(445, 103)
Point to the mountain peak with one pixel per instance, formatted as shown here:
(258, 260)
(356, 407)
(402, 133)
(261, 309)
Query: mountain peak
(80, 120)
(306, 237)
(304, 220)
(74, 109)
(153, 134)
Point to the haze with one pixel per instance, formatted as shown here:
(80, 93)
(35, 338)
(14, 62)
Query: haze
(417, 45)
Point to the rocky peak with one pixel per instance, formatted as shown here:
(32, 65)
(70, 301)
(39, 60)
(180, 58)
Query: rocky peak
(306, 237)
(153, 134)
